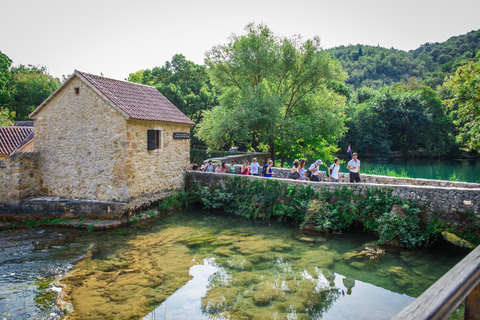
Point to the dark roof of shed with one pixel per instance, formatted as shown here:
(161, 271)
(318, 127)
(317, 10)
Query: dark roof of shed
(11, 138)
(23, 123)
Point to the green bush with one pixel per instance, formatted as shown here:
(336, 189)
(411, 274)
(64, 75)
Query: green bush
(174, 200)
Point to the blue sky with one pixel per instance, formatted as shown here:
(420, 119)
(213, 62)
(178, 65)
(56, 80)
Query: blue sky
(121, 37)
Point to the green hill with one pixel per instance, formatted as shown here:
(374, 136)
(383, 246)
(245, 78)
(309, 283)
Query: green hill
(377, 66)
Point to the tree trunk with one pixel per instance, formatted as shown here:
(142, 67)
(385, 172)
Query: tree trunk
(271, 150)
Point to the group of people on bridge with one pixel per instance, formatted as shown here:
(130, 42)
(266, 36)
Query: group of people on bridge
(297, 172)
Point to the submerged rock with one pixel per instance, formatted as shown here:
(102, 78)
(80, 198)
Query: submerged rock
(456, 240)
(358, 265)
(157, 267)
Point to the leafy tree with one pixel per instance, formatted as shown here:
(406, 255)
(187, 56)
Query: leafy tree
(29, 87)
(6, 117)
(278, 95)
(465, 102)
(401, 118)
(186, 84)
(5, 78)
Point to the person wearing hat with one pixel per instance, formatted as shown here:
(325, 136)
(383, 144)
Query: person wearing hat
(314, 170)
(231, 167)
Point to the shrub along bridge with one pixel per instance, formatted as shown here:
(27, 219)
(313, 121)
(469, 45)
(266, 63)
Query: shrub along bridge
(452, 201)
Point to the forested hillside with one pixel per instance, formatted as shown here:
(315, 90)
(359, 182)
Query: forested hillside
(376, 66)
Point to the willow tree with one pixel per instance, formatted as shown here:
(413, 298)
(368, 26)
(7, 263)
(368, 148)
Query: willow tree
(276, 95)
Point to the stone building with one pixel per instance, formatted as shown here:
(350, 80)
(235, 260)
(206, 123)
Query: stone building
(109, 140)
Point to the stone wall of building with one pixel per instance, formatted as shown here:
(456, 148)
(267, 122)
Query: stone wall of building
(81, 139)
(20, 177)
(451, 203)
(158, 170)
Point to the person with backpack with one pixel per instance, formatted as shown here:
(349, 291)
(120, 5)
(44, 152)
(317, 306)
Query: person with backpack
(264, 168)
(269, 171)
(333, 170)
(314, 170)
(208, 167)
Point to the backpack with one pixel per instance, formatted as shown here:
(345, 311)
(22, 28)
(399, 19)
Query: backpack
(264, 170)
(309, 173)
(326, 172)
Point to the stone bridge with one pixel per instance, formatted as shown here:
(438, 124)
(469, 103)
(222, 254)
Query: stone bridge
(452, 200)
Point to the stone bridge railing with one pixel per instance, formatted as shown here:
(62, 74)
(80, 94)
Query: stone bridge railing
(452, 202)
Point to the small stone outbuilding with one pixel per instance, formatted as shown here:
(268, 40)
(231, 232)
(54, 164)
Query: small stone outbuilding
(15, 139)
(109, 140)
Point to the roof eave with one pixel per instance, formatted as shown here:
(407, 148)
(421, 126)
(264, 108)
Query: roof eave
(79, 75)
(125, 115)
(50, 97)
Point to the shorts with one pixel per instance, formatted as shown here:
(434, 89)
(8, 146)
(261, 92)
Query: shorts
(354, 177)
(314, 178)
(334, 180)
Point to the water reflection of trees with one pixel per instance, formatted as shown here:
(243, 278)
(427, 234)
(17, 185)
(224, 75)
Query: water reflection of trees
(267, 294)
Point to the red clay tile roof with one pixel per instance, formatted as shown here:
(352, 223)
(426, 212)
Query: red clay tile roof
(13, 137)
(137, 101)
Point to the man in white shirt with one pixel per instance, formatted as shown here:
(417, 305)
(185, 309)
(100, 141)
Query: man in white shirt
(354, 167)
(314, 170)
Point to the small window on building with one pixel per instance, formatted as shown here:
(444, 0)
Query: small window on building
(154, 139)
(77, 90)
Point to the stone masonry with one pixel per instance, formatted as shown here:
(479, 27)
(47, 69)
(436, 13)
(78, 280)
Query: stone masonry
(450, 202)
(20, 176)
(89, 150)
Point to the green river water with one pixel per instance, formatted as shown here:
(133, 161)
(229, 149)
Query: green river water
(209, 265)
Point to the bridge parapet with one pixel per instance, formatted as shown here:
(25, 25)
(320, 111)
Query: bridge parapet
(452, 203)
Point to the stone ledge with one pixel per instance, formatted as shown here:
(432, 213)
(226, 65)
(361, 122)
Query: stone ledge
(62, 207)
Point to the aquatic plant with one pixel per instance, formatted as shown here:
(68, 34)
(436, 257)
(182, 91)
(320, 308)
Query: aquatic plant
(454, 177)
(175, 200)
(381, 170)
